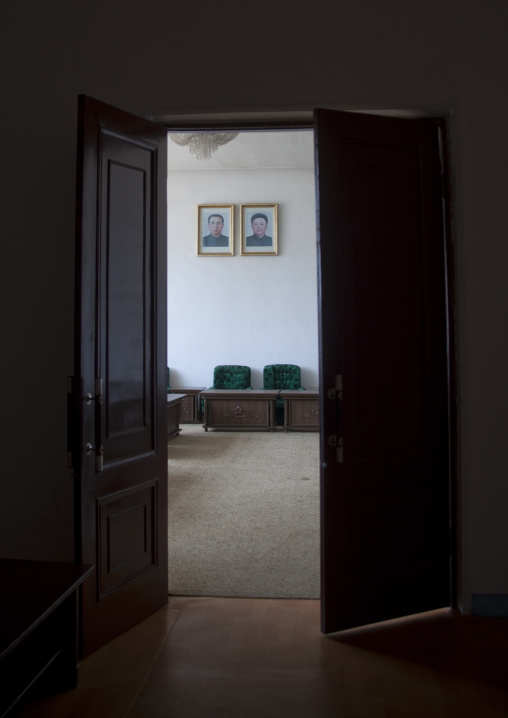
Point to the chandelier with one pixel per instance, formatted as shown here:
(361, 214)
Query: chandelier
(202, 144)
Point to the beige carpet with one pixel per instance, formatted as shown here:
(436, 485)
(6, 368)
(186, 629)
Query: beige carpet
(244, 514)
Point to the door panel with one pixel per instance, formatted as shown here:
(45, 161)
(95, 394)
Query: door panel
(383, 331)
(121, 365)
(126, 341)
(126, 522)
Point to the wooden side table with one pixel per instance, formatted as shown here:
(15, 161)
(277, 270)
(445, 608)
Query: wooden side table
(190, 408)
(247, 409)
(173, 414)
(301, 410)
(38, 626)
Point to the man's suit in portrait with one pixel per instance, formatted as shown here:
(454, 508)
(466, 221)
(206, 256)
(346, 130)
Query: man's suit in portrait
(211, 241)
(255, 241)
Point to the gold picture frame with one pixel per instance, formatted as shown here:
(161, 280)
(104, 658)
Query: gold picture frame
(216, 231)
(259, 229)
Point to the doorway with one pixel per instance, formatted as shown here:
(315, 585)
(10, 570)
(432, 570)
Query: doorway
(402, 179)
(249, 310)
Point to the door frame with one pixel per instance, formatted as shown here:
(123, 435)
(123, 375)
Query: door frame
(294, 119)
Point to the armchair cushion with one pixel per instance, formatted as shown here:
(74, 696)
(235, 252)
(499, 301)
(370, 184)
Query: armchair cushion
(231, 376)
(282, 376)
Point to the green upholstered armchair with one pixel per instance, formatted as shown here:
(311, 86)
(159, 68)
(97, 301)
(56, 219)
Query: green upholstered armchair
(281, 376)
(231, 376)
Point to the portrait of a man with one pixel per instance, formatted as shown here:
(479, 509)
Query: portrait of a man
(215, 238)
(259, 238)
(259, 229)
(215, 230)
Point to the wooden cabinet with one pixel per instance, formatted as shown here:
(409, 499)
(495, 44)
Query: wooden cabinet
(231, 408)
(38, 626)
(301, 410)
(173, 413)
(190, 408)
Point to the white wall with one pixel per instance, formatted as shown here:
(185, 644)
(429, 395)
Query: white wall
(242, 309)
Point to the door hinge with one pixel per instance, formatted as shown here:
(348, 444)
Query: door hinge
(88, 398)
(89, 449)
(335, 392)
(338, 445)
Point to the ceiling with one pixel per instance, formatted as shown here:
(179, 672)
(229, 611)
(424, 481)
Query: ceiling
(282, 149)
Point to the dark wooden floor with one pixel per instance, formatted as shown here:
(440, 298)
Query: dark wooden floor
(246, 658)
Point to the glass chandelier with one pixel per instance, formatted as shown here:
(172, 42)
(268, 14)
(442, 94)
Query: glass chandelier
(202, 144)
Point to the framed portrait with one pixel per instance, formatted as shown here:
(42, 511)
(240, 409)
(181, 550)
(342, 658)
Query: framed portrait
(215, 230)
(259, 229)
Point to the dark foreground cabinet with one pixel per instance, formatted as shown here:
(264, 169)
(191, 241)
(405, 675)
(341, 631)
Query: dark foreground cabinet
(38, 626)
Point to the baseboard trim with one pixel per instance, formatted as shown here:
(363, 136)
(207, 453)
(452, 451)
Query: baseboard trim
(490, 604)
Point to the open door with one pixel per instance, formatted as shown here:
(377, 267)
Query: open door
(384, 369)
(119, 386)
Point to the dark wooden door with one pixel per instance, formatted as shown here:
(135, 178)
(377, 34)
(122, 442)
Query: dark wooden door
(120, 369)
(384, 369)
